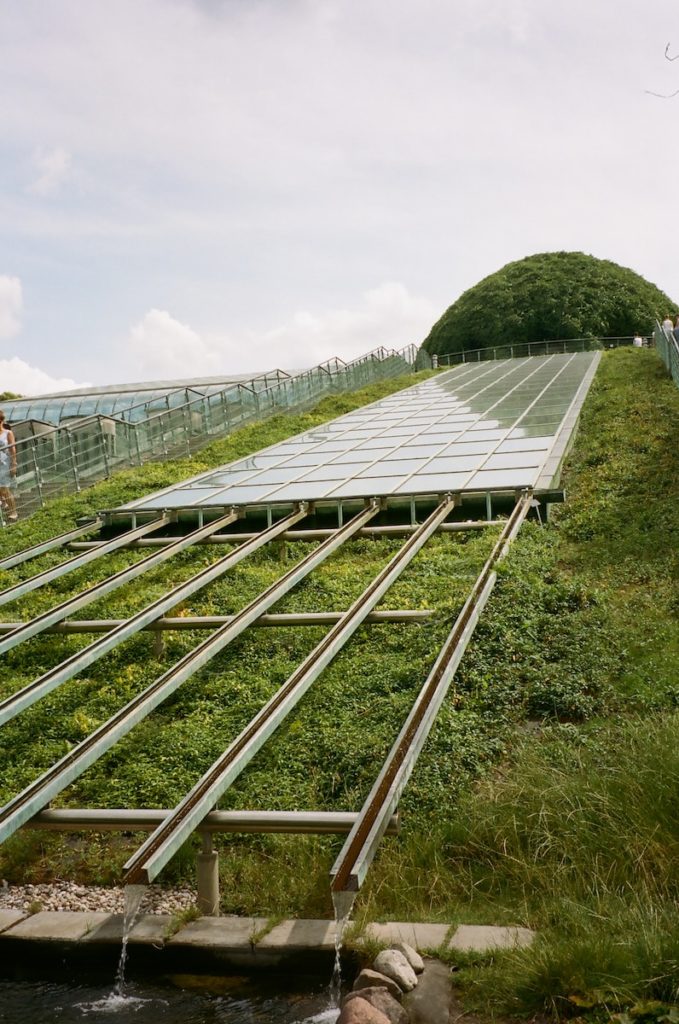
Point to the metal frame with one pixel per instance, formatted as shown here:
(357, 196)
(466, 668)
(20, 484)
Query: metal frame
(161, 846)
(49, 545)
(111, 583)
(146, 819)
(395, 530)
(195, 622)
(59, 571)
(55, 779)
(355, 857)
(48, 681)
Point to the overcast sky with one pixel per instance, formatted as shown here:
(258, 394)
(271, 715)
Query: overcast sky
(198, 186)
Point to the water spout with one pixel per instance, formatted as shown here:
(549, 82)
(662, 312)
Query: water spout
(342, 903)
(134, 896)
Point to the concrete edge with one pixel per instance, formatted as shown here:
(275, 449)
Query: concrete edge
(218, 942)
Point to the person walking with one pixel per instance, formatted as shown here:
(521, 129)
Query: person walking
(667, 324)
(8, 469)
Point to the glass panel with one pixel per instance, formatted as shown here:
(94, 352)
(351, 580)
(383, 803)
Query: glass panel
(501, 479)
(423, 483)
(401, 466)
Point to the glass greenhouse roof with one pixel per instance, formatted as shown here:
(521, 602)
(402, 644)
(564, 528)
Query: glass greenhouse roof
(480, 427)
(132, 402)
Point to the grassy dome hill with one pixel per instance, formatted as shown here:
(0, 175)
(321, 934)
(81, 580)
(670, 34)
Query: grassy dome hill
(548, 296)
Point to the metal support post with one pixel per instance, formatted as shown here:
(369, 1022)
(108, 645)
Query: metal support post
(36, 471)
(207, 878)
(74, 462)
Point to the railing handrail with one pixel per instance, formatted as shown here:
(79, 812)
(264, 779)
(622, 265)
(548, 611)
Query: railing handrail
(473, 354)
(71, 455)
(80, 422)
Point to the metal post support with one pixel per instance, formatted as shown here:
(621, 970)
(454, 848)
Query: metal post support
(36, 471)
(74, 462)
(104, 450)
(207, 878)
(186, 424)
(136, 443)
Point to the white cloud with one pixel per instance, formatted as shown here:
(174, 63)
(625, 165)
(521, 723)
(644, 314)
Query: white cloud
(389, 315)
(24, 379)
(53, 167)
(161, 346)
(11, 303)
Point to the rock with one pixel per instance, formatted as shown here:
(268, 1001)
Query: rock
(411, 955)
(394, 965)
(432, 1001)
(373, 979)
(382, 1001)
(358, 1011)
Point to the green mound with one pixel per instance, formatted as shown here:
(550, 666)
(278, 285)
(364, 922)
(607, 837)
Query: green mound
(548, 296)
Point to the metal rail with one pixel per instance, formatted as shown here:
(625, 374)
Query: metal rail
(49, 545)
(196, 622)
(159, 848)
(145, 820)
(25, 630)
(55, 779)
(351, 866)
(398, 530)
(57, 571)
(48, 681)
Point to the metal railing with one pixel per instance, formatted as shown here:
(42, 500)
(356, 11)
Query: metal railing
(519, 350)
(67, 458)
(667, 348)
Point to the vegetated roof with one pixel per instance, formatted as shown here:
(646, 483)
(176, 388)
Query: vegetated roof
(548, 296)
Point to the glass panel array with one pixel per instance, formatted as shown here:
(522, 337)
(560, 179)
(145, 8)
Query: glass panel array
(488, 426)
(83, 449)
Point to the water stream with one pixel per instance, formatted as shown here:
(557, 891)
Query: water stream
(342, 902)
(117, 999)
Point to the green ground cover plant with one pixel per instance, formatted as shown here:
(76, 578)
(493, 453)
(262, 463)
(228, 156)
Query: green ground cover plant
(546, 795)
(547, 296)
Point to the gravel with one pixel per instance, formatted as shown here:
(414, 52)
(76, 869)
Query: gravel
(71, 896)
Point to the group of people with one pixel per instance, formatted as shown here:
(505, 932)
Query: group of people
(8, 469)
(671, 328)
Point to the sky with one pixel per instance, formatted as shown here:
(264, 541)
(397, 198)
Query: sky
(194, 187)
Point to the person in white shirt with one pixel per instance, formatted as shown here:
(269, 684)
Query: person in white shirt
(638, 341)
(8, 469)
(667, 324)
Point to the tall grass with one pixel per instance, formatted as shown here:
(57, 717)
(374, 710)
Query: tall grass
(583, 830)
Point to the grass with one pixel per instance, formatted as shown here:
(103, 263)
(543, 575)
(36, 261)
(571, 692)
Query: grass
(547, 792)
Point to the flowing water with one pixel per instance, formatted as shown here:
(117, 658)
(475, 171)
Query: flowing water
(118, 999)
(342, 902)
(88, 1000)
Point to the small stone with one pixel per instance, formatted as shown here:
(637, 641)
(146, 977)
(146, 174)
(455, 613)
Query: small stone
(394, 965)
(358, 1011)
(373, 979)
(411, 955)
(382, 1001)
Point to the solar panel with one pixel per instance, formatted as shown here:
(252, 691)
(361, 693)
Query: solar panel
(478, 427)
